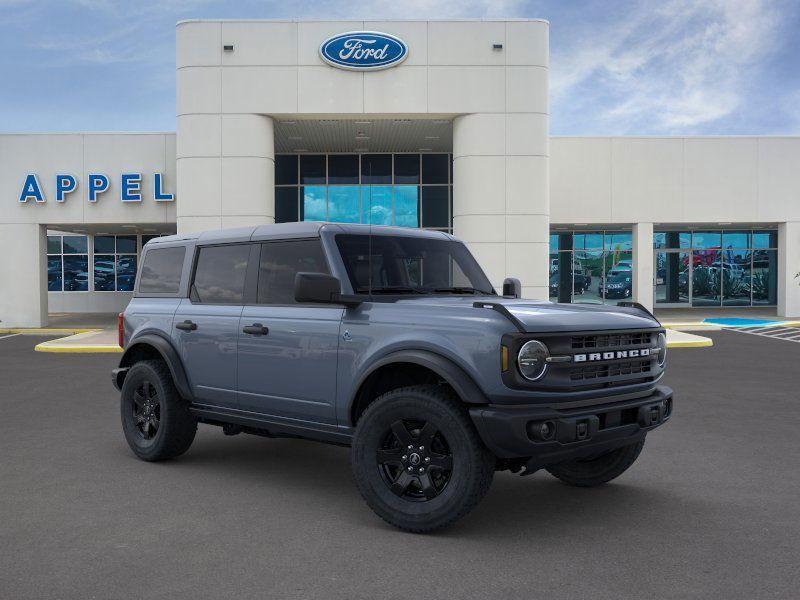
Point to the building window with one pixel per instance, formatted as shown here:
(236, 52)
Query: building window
(114, 263)
(67, 263)
(591, 266)
(406, 190)
(716, 268)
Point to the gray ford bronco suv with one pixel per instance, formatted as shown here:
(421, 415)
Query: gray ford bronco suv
(391, 341)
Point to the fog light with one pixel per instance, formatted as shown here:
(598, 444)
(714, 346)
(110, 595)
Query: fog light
(543, 430)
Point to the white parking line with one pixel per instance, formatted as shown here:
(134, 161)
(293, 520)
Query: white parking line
(2, 337)
(790, 334)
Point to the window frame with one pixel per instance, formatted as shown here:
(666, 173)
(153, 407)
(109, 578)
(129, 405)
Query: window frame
(89, 265)
(116, 256)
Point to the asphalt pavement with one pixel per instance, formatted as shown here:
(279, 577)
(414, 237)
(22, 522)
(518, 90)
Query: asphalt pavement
(710, 510)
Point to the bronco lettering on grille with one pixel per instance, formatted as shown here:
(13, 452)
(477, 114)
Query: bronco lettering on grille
(595, 356)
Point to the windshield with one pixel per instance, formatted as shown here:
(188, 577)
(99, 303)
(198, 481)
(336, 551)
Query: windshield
(410, 265)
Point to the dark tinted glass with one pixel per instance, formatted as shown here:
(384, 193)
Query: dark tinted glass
(434, 168)
(75, 244)
(54, 274)
(376, 168)
(409, 265)
(104, 244)
(147, 238)
(286, 205)
(126, 244)
(343, 168)
(280, 262)
(76, 273)
(312, 168)
(126, 273)
(406, 168)
(765, 277)
(219, 275)
(161, 270)
(103, 272)
(285, 169)
(434, 207)
(765, 239)
(54, 244)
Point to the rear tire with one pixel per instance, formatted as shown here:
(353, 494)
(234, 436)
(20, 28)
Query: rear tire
(599, 470)
(155, 419)
(418, 460)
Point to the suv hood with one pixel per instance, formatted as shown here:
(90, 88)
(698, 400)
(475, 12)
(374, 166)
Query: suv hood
(538, 316)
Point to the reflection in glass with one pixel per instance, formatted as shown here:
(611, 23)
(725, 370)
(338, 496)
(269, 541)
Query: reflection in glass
(736, 239)
(103, 272)
(126, 244)
(76, 273)
(672, 239)
(54, 279)
(406, 205)
(672, 277)
(104, 244)
(707, 239)
(588, 241)
(314, 203)
(126, 273)
(587, 274)
(553, 270)
(75, 244)
(706, 277)
(617, 284)
(618, 241)
(765, 277)
(765, 239)
(343, 204)
(54, 244)
(735, 277)
(376, 204)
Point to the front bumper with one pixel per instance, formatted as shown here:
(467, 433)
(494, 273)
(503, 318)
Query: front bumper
(514, 431)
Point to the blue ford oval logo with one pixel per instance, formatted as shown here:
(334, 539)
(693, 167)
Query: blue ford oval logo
(363, 50)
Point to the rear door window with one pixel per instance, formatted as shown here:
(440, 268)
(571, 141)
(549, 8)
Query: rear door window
(220, 274)
(161, 271)
(280, 262)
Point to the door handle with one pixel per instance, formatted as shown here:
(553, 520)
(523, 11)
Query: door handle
(187, 325)
(255, 329)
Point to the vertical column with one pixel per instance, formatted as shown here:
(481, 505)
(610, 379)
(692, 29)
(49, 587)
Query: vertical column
(501, 203)
(788, 266)
(226, 171)
(643, 264)
(23, 268)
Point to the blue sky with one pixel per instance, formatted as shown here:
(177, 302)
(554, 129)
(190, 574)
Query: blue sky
(617, 67)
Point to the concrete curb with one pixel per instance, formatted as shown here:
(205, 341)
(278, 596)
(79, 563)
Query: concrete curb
(87, 349)
(45, 331)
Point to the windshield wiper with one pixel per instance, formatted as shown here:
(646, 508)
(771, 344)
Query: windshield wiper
(392, 289)
(462, 290)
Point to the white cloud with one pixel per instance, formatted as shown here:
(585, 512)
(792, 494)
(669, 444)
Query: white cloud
(670, 68)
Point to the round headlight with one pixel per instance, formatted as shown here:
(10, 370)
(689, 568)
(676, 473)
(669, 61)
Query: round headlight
(531, 360)
(662, 349)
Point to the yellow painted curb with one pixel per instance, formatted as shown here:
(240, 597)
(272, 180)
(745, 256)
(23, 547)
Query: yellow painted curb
(88, 349)
(46, 331)
(704, 343)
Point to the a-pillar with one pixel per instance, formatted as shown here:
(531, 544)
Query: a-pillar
(501, 201)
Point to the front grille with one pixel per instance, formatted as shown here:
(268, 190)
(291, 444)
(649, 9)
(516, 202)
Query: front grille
(611, 340)
(604, 371)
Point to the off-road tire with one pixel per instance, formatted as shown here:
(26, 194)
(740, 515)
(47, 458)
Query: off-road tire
(472, 464)
(599, 470)
(176, 425)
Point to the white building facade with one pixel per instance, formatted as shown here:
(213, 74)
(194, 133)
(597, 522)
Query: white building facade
(444, 126)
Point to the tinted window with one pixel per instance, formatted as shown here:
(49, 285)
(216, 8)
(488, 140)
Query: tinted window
(286, 205)
(343, 168)
(312, 168)
(104, 244)
(161, 271)
(286, 169)
(406, 168)
(376, 168)
(280, 262)
(75, 244)
(434, 168)
(126, 244)
(434, 207)
(219, 275)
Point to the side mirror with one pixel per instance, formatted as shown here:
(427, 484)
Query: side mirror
(512, 287)
(321, 288)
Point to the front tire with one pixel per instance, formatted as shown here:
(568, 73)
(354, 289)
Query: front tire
(155, 419)
(597, 470)
(417, 459)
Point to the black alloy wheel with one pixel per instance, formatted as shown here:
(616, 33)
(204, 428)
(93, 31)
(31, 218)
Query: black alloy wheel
(146, 409)
(414, 460)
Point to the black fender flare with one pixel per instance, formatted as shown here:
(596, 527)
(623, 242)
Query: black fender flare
(168, 353)
(463, 384)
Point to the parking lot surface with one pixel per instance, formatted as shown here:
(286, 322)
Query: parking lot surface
(710, 510)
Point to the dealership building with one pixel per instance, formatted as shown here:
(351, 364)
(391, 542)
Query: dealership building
(434, 124)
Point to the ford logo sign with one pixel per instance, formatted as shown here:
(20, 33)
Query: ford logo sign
(363, 50)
